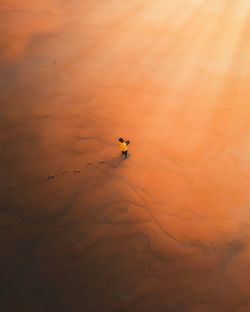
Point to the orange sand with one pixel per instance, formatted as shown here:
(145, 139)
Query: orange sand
(167, 230)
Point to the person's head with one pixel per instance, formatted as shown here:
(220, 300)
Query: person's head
(121, 140)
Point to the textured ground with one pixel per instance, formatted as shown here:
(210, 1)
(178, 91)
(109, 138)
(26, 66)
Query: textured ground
(167, 230)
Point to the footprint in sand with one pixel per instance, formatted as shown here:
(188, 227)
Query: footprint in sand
(52, 177)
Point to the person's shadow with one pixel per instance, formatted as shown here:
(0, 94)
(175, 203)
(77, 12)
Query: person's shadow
(117, 160)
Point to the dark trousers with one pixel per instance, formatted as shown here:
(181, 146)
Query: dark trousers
(125, 153)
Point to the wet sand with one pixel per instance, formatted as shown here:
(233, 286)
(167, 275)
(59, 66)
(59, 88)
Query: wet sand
(166, 230)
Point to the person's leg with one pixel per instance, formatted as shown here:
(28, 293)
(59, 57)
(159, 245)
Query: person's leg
(126, 154)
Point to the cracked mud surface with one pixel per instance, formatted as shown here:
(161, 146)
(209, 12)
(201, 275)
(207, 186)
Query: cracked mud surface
(82, 229)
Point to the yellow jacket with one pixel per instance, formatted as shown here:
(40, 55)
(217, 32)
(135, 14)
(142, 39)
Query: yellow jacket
(123, 146)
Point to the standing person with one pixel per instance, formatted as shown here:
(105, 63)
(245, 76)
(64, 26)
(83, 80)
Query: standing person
(124, 147)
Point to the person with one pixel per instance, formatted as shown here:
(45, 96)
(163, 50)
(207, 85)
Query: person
(124, 147)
